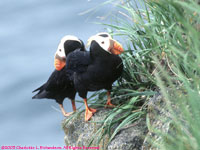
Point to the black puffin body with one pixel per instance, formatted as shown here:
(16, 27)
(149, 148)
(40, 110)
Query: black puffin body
(97, 69)
(94, 72)
(60, 85)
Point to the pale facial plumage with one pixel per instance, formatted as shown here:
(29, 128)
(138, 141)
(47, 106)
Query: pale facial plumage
(103, 39)
(60, 50)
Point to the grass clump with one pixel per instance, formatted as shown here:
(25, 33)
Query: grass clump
(165, 38)
(163, 52)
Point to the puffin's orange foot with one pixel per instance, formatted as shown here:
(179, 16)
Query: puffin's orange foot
(92, 110)
(68, 114)
(109, 104)
(88, 114)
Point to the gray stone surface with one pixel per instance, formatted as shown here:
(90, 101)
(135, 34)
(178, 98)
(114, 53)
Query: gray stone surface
(159, 118)
(130, 137)
(79, 133)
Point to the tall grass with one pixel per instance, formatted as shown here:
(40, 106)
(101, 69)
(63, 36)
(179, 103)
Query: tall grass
(162, 54)
(165, 38)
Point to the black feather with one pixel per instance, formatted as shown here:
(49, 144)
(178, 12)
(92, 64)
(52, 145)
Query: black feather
(94, 70)
(60, 84)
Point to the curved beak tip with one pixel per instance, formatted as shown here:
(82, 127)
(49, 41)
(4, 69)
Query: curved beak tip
(59, 64)
(117, 48)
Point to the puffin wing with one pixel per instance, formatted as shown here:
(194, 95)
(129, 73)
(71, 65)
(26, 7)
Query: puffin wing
(78, 61)
(55, 83)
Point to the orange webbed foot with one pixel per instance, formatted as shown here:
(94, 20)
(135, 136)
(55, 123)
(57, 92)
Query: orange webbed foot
(64, 112)
(109, 105)
(88, 115)
(68, 114)
(92, 110)
(88, 111)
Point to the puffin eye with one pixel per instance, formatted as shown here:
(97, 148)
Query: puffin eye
(102, 42)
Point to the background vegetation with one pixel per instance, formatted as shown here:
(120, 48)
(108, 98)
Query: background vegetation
(163, 52)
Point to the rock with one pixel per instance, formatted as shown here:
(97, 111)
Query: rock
(79, 133)
(136, 136)
(159, 119)
(130, 137)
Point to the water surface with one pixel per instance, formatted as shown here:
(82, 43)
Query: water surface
(30, 31)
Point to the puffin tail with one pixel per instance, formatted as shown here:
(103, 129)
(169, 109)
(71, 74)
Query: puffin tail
(40, 94)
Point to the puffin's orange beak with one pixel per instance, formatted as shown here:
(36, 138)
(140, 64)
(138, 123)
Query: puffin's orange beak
(117, 48)
(59, 62)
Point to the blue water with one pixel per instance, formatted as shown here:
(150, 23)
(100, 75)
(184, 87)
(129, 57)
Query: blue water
(30, 31)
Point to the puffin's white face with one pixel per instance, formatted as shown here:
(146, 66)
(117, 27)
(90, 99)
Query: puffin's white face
(60, 50)
(60, 57)
(106, 42)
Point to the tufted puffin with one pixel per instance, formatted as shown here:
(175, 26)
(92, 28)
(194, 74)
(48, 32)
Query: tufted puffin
(96, 69)
(59, 85)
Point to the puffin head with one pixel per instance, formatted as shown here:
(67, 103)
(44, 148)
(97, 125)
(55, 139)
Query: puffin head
(67, 44)
(105, 42)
